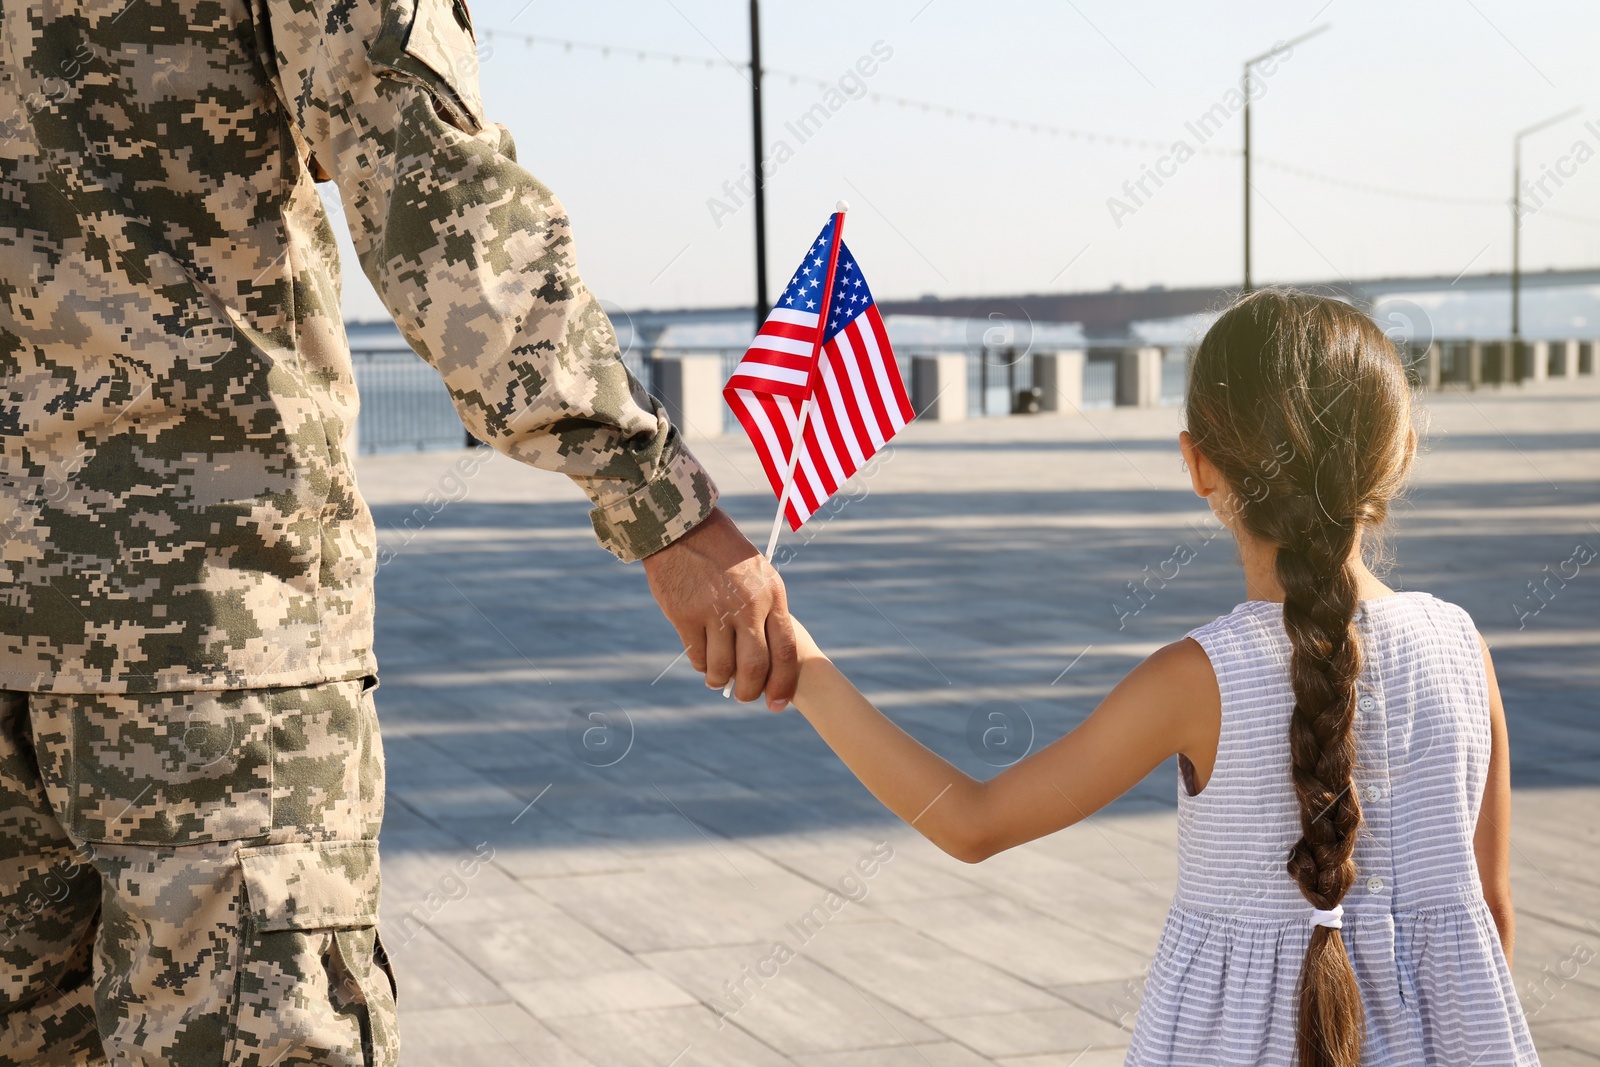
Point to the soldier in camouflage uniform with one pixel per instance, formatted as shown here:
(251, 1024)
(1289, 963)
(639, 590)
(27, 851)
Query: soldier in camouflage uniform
(191, 781)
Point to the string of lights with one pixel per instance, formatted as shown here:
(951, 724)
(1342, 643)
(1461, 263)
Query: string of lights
(1383, 190)
(1567, 216)
(929, 107)
(799, 78)
(605, 50)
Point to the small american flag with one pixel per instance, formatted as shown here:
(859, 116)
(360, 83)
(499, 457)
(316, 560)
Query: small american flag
(858, 401)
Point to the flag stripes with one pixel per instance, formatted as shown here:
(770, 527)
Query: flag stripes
(859, 403)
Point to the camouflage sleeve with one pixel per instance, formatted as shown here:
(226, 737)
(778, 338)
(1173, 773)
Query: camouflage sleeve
(473, 256)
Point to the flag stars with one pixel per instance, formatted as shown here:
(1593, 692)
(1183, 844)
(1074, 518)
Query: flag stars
(808, 287)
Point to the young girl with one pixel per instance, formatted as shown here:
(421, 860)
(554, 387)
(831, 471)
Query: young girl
(1344, 786)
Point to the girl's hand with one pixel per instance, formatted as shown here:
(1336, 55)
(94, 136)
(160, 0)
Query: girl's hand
(805, 645)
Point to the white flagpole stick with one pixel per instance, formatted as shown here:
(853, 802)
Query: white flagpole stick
(810, 400)
(816, 369)
(788, 478)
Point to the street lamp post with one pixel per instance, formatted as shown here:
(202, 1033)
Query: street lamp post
(1276, 49)
(758, 143)
(1515, 356)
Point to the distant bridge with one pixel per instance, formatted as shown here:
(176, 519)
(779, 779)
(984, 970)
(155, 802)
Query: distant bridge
(1109, 314)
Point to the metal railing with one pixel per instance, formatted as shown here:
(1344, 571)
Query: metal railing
(1174, 375)
(1099, 380)
(1497, 361)
(643, 367)
(405, 407)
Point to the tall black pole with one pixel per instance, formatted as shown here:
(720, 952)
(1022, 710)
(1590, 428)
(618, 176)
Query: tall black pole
(1247, 177)
(758, 143)
(1280, 51)
(1516, 248)
(1514, 357)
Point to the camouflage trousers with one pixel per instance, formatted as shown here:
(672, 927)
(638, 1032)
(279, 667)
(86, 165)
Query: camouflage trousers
(192, 878)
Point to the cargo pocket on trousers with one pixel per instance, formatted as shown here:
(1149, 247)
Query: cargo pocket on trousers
(313, 983)
(161, 769)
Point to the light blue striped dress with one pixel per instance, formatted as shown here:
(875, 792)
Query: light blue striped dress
(1434, 981)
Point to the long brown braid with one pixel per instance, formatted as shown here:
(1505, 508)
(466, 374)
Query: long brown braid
(1301, 404)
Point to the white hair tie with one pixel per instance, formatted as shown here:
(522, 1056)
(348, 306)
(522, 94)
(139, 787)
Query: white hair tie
(1334, 918)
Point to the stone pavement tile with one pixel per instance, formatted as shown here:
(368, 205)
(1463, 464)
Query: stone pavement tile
(411, 760)
(1016, 939)
(1556, 898)
(399, 818)
(683, 1037)
(526, 939)
(1152, 822)
(644, 765)
(691, 788)
(524, 907)
(921, 976)
(1559, 990)
(1130, 915)
(1563, 884)
(620, 803)
(538, 846)
(1560, 850)
(942, 1054)
(774, 756)
(635, 989)
(1023, 1033)
(1582, 1035)
(1094, 1057)
(493, 1035)
(1538, 772)
(1553, 737)
(631, 826)
(496, 1055)
(417, 865)
(1101, 845)
(775, 812)
(471, 796)
(801, 1008)
(1553, 810)
(594, 797)
(1555, 952)
(431, 974)
(1115, 1002)
(485, 741)
(726, 896)
(916, 871)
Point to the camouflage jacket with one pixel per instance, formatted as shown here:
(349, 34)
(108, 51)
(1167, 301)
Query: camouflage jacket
(177, 504)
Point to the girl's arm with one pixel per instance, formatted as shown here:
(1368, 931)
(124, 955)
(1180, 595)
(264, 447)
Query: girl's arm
(1167, 704)
(1491, 843)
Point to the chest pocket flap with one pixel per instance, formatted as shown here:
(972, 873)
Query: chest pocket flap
(433, 42)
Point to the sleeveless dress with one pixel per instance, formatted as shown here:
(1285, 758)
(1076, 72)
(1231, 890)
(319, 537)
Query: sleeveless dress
(1222, 989)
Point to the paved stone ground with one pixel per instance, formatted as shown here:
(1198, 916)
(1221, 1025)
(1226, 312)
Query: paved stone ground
(651, 842)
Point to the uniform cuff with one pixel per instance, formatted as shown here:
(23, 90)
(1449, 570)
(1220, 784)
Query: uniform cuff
(675, 501)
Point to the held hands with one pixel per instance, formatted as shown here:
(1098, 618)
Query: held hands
(730, 610)
(805, 645)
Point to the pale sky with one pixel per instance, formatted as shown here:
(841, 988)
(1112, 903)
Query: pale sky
(1422, 97)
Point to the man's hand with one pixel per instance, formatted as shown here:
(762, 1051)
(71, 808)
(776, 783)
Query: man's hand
(729, 608)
